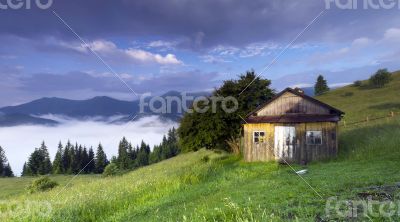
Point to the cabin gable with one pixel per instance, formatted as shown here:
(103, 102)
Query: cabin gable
(290, 103)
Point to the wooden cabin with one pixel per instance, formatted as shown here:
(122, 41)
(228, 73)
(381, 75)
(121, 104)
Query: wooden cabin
(291, 127)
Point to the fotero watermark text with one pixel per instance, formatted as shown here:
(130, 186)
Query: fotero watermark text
(362, 4)
(25, 4)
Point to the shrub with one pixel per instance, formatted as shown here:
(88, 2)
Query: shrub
(42, 184)
(205, 159)
(111, 170)
(380, 78)
(357, 83)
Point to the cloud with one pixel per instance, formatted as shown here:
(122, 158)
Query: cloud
(226, 53)
(213, 59)
(88, 133)
(392, 35)
(362, 49)
(163, 45)
(109, 50)
(204, 24)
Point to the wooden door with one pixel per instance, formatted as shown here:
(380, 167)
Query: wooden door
(284, 142)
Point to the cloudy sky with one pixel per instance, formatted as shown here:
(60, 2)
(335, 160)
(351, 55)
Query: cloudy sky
(186, 45)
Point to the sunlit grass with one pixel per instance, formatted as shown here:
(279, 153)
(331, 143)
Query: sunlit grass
(222, 187)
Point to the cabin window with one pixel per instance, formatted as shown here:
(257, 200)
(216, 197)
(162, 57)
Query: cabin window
(258, 136)
(314, 137)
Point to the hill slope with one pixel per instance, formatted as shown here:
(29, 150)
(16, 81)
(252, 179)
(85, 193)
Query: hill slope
(207, 185)
(363, 101)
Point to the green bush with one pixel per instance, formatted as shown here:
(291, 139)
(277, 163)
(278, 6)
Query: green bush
(111, 170)
(380, 78)
(42, 184)
(205, 159)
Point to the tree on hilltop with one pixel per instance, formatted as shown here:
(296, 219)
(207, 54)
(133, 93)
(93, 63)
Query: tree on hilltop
(321, 86)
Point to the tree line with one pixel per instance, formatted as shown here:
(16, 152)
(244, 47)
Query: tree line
(70, 159)
(73, 159)
(130, 157)
(5, 168)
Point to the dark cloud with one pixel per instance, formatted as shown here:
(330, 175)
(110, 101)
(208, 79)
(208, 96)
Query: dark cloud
(197, 24)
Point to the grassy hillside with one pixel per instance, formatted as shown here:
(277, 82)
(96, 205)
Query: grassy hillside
(16, 186)
(207, 185)
(360, 102)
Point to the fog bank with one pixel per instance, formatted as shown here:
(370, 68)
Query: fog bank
(20, 141)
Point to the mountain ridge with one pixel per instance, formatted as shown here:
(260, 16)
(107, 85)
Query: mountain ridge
(102, 106)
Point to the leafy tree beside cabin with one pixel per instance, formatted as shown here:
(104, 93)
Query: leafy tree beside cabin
(212, 130)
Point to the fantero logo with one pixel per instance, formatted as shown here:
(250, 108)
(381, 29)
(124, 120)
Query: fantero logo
(25, 4)
(362, 4)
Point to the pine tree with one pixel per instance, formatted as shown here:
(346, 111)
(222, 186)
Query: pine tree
(91, 168)
(123, 159)
(7, 171)
(143, 155)
(39, 162)
(5, 168)
(84, 160)
(25, 170)
(3, 160)
(101, 159)
(155, 156)
(73, 155)
(321, 86)
(45, 167)
(66, 158)
(132, 156)
(58, 159)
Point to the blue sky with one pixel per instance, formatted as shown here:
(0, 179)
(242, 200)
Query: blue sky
(157, 46)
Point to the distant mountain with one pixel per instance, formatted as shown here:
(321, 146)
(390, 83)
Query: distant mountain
(309, 91)
(97, 106)
(22, 119)
(101, 106)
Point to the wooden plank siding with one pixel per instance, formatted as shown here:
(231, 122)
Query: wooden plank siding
(303, 152)
(291, 108)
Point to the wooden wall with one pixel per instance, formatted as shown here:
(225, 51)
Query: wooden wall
(291, 103)
(303, 153)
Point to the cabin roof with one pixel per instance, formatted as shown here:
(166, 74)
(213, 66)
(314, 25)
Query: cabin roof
(293, 118)
(335, 115)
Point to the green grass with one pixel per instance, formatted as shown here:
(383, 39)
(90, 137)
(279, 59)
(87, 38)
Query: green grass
(16, 186)
(191, 187)
(224, 188)
(360, 102)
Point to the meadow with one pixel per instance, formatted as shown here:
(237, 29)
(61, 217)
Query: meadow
(217, 186)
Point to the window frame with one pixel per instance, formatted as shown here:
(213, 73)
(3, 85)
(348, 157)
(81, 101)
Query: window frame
(314, 131)
(254, 136)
